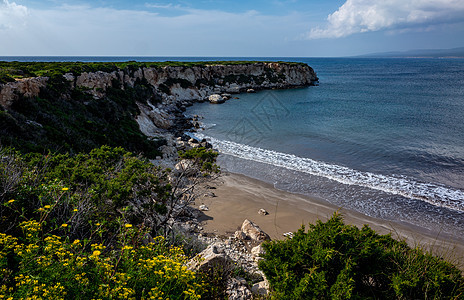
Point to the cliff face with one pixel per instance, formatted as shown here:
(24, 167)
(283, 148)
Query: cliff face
(175, 83)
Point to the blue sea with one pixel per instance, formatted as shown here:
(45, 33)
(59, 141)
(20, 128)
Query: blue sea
(384, 137)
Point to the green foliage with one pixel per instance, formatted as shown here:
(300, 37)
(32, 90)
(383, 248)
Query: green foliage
(336, 261)
(202, 157)
(82, 188)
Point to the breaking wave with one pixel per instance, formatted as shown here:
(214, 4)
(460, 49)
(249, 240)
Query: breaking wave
(434, 194)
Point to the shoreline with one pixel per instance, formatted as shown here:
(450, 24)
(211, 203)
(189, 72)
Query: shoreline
(238, 197)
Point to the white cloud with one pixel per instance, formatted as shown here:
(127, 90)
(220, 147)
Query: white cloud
(356, 16)
(11, 14)
(86, 30)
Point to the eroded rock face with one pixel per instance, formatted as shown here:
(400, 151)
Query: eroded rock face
(27, 88)
(196, 82)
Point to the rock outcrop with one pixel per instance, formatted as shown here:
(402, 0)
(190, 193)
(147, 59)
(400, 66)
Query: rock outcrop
(176, 83)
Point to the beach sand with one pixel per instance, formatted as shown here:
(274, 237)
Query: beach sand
(239, 197)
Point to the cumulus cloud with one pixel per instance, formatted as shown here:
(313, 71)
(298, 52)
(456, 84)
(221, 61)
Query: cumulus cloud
(357, 16)
(11, 14)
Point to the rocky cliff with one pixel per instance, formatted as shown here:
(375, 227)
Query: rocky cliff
(78, 111)
(175, 83)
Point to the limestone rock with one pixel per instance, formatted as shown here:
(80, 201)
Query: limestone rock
(251, 91)
(226, 96)
(203, 207)
(254, 232)
(263, 212)
(27, 88)
(212, 257)
(216, 99)
(257, 251)
(240, 235)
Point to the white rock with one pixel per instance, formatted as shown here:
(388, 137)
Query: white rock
(257, 251)
(216, 99)
(263, 212)
(254, 232)
(203, 207)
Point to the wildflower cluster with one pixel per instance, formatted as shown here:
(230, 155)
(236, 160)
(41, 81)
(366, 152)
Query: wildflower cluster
(54, 267)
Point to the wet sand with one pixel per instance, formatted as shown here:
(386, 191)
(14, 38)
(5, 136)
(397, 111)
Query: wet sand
(239, 197)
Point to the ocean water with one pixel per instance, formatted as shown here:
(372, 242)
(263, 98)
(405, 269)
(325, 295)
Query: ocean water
(384, 137)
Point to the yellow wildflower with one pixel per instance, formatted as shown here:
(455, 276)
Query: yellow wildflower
(47, 206)
(96, 253)
(64, 225)
(128, 225)
(65, 189)
(75, 210)
(11, 201)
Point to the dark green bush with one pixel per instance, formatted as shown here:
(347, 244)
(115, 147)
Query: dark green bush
(337, 261)
(204, 158)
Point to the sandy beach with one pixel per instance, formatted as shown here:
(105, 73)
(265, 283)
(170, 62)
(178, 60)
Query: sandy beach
(238, 197)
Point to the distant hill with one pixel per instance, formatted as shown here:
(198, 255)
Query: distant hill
(432, 53)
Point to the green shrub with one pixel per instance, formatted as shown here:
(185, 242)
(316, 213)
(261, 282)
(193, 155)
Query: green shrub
(337, 261)
(203, 158)
(99, 185)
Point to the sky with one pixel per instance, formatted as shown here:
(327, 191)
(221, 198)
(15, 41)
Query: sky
(273, 28)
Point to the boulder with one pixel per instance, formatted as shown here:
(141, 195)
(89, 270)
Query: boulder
(251, 91)
(203, 207)
(263, 212)
(253, 231)
(212, 258)
(226, 96)
(216, 99)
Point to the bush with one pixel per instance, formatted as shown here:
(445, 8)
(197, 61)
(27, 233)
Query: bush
(82, 188)
(337, 261)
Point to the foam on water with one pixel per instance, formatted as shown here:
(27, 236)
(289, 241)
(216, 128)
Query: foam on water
(434, 194)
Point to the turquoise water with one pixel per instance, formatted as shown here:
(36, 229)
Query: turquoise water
(381, 136)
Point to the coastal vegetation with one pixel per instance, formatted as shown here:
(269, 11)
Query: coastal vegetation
(81, 226)
(336, 261)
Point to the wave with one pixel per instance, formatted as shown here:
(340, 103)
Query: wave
(431, 193)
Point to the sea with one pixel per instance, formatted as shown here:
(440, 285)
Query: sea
(380, 136)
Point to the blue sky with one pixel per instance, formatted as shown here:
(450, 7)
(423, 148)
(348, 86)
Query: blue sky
(227, 28)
